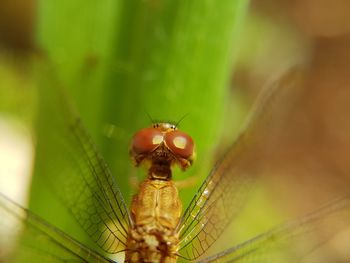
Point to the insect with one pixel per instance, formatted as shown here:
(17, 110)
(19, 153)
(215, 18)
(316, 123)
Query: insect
(156, 209)
(155, 229)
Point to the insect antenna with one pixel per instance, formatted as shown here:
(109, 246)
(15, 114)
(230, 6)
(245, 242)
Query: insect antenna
(181, 119)
(150, 117)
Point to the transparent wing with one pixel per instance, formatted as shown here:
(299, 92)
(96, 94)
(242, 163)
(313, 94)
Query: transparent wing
(68, 160)
(25, 237)
(294, 241)
(222, 194)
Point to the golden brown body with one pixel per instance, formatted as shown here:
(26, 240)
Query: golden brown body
(156, 211)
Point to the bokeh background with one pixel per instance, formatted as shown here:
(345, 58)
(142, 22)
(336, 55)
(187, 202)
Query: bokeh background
(121, 61)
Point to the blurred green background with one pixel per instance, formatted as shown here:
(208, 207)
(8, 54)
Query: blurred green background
(122, 60)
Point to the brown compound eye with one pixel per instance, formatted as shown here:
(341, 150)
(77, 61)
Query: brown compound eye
(180, 144)
(146, 140)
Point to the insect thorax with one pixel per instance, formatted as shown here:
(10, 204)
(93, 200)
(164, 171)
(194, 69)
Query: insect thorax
(156, 211)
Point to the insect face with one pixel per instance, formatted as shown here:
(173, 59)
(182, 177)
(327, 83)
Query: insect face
(163, 143)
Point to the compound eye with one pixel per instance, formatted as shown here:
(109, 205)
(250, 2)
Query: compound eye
(146, 140)
(180, 144)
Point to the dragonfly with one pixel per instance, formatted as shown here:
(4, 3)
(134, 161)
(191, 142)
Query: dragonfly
(155, 228)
